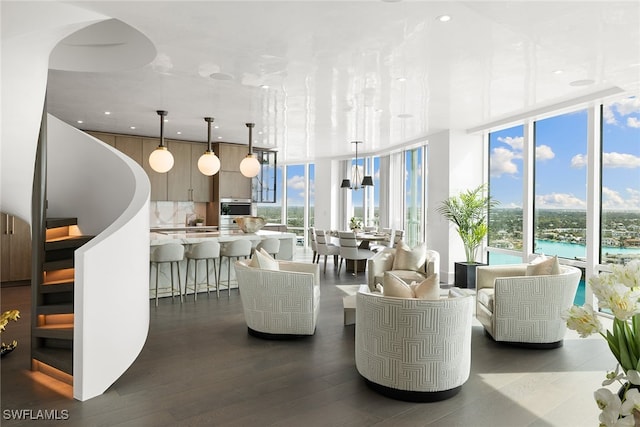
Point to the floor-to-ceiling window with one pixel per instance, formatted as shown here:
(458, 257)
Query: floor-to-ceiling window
(414, 195)
(560, 185)
(311, 196)
(272, 212)
(505, 187)
(296, 190)
(620, 197)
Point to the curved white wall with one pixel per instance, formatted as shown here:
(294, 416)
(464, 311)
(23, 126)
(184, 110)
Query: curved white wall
(29, 33)
(109, 194)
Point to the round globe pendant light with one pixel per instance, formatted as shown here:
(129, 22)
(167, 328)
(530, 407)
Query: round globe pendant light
(209, 163)
(250, 166)
(161, 159)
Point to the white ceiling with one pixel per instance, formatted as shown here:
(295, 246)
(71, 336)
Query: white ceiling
(334, 69)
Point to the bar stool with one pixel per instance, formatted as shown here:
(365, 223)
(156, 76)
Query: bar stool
(204, 251)
(234, 249)
(169, 253)
(271, 245)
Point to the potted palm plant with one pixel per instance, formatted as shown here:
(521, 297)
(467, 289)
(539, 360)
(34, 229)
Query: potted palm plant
(468, 212)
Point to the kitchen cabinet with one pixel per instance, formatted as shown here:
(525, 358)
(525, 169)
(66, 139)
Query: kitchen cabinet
(200, 183)
(131, 146)
(184, 180)
(229, 182)
(15, 245)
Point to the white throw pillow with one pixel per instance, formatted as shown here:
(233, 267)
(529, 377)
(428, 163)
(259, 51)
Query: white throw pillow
(543, 267)
(429, 288)
(262, 259)
(410, 259)
(393, 286)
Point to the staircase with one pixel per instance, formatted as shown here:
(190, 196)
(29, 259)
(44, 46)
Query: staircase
(52, 333)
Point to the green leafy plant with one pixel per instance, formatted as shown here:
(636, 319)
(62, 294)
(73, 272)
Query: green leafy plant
(468, 211)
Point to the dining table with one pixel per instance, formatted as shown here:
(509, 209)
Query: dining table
(365, 239)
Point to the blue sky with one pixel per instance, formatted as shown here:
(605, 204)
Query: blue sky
(560, 166)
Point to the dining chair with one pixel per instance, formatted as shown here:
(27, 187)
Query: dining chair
(314, 245)
(350, 251)
(325, 248)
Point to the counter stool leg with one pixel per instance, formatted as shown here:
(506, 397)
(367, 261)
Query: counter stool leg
(156, 283)
(180, 284)
(207, 267)
(215, 275)
(186, 280)
(229, 277)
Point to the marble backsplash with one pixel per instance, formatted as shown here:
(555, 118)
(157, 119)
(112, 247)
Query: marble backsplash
(174, 214)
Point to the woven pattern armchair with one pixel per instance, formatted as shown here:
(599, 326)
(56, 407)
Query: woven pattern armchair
(525, 310)
(413, 349)
(280, 303)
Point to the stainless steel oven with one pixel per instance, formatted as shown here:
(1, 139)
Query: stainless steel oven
(230, 209)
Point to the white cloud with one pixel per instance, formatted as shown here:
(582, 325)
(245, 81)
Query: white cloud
(502, 162)
(579, 161)
(515, 143)
(620, 160)
(544, 152)
(609, 160)
(608, 116)
(627, 106)
(559, 201)
(633, 122)
(613, 200)
(296, 182)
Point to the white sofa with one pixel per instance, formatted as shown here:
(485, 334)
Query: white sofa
(279, 304)
(384, 260)
(525, 310)
(413, 349)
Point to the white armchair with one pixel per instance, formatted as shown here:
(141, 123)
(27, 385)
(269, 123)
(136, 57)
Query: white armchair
(414, 349)
(385, 261)
(280, 303)
(525, 310)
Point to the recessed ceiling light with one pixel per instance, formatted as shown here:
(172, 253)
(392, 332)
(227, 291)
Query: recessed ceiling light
(558, 72)
(584, 82)
(405, 116)
(444, 18)
(221, 76)
(80, 121)
(107, 112)
(264, 86)
(259, 132)
(219, 137)
(132, 127)
(179, 133)
(166, 120)
(401, 79)
(216, 127)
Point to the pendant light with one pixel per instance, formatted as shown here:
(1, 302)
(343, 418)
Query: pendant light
(209, 163)
(161, 160)
(250, 166)
(367, 181)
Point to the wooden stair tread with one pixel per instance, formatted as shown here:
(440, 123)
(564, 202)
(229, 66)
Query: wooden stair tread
(59, 331)
(48, 285)
(58, 265)
(59, 358)
(66, 242)
(65, 308)
(60, 222)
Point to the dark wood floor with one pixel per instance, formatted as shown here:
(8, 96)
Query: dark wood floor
(200, 368)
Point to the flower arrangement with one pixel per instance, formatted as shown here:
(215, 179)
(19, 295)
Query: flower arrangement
(4, 319)
(355, 223)
(618, 291)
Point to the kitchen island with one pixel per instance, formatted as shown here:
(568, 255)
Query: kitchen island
(190, 236)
